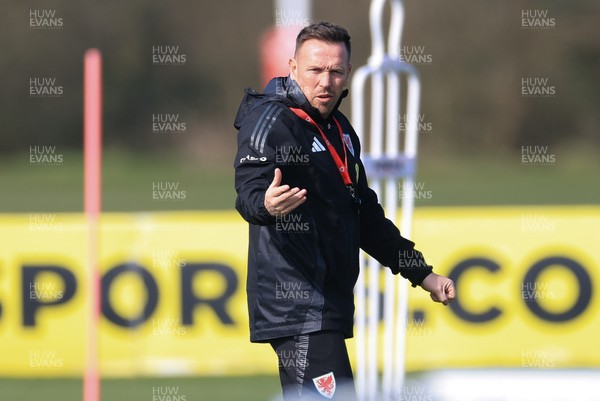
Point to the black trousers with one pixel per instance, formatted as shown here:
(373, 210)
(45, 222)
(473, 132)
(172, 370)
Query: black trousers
(315, 366)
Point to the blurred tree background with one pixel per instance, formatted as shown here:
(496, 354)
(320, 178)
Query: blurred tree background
(471, 88)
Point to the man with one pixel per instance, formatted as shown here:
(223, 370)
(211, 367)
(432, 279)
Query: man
(302, 187)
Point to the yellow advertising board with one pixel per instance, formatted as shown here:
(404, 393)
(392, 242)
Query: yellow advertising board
(174, 302)
(527, 280)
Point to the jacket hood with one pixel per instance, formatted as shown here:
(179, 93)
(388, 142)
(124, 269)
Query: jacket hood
(286, 91)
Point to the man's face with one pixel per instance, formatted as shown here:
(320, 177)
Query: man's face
(321, 70)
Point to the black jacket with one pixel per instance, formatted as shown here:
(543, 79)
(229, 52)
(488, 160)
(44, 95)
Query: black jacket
(302, 267)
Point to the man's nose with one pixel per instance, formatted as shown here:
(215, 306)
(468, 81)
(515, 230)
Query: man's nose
(325, 80)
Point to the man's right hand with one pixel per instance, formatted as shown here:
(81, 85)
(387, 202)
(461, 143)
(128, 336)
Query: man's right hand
(281, 199)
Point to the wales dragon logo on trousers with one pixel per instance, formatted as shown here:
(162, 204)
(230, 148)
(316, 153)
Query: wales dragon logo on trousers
(325, 385)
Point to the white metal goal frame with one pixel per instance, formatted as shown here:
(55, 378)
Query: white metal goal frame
(389, 166)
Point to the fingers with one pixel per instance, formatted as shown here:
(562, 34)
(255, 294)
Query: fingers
(293, 202)
(290, 196)
(450, 291)
(277, 192)
(439, 298)
(288, 201)
(445, 295)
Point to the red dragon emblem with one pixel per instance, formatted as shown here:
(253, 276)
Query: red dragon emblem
(325, 385)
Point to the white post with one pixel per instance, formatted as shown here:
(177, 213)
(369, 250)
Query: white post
(386, 165)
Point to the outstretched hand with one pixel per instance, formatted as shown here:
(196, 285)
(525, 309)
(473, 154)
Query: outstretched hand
(281, 199)
(440, 288)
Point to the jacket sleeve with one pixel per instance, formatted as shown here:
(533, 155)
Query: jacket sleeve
(381, 239)
(255, 162)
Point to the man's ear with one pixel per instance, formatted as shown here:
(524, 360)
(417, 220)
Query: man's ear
(293, 68)
(348, 75)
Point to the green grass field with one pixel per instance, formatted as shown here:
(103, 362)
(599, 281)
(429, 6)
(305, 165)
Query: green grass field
(236, 388)
(444, 180)
(251, 388)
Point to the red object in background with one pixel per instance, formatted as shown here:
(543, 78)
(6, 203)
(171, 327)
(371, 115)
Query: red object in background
(92, 150)
(276, 47)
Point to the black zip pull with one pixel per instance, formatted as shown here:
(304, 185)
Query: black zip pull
(355, 197)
